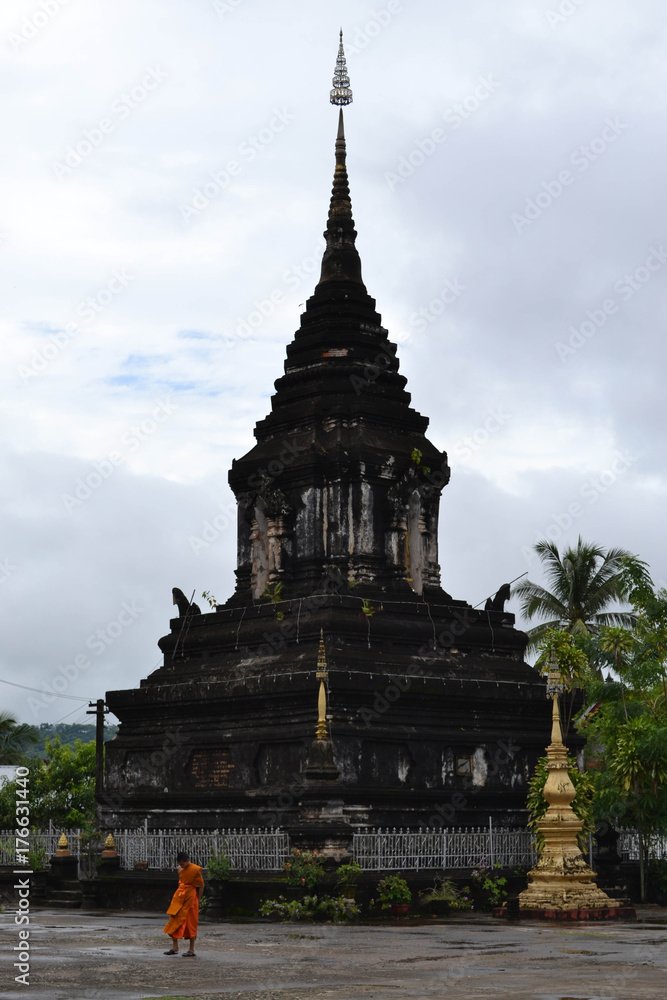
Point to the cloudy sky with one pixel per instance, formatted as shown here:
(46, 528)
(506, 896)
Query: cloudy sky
(166, 177)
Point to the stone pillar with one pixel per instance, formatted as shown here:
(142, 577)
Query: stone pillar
(64, 864)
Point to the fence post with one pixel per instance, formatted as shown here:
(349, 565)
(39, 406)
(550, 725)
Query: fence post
(491, 857)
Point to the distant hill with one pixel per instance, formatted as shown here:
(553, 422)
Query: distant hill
(68, 734)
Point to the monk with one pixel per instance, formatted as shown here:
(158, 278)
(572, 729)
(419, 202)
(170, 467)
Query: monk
(184, 907)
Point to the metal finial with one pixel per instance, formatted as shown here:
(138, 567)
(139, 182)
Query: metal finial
(555, 684)
(341, 93)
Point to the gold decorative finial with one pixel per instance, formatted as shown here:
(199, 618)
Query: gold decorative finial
(321, 733)
(63, 850)
(341, 93)
(109, 849)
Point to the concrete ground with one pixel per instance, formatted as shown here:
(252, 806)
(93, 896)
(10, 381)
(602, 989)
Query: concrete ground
(80, 955)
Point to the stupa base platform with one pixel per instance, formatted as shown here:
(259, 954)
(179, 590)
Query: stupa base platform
(584, 913)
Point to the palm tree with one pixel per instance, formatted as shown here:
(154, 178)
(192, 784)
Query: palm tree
(15, 738)
(584, 582)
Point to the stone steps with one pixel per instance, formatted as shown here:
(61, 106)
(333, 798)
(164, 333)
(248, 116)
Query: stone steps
(619, 892)
(64, 898)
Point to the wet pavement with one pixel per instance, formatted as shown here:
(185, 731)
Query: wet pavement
(96, 955)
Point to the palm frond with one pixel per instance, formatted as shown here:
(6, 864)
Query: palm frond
(537, 602)
(624, 619)
(536, 634)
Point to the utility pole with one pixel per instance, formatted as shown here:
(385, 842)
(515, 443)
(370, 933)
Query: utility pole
(98, 709)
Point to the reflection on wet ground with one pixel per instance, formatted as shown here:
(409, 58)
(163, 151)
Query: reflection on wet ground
(119, 956)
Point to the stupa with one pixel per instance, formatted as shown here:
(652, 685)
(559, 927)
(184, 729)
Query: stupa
(432, 716)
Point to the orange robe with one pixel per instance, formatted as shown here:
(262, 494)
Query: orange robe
(184, 907)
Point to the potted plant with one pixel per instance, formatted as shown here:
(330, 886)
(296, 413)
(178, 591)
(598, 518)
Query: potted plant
(218, 870)
(440, 897)
(394, 894)
(464, 900)
(347, 877)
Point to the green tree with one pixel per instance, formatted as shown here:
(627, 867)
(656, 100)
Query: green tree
(15, 739)
(62, 788)
(584, 581)
(626, 718)
(627, 750)
(69, 733)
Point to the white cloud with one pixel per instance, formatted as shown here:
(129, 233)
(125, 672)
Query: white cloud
(451, 219)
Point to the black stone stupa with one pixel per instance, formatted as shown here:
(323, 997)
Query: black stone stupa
(432, 716)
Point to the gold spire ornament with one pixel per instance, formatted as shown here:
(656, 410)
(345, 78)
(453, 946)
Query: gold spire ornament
(319, 765)
(561, 879)
(63, 850)
(341, 93)
(109, 849)
(322, 733)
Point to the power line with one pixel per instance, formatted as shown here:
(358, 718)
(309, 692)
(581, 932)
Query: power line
(41, 691)
(509, 585)
(80, 719)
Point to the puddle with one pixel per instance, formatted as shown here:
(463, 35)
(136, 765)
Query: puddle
(553, 996)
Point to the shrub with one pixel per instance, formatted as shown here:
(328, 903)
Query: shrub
(492, 884)
(219, 866)
(304, 868)
(348, 874)
(335, 908)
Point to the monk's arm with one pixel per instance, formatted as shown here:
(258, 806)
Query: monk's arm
(198, 883)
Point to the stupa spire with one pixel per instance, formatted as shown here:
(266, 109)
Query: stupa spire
(341, 260)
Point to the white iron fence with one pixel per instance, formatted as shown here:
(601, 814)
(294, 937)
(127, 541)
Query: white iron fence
(43, 841)
(628, 846)
(403, 850)
(375, 850)
(249, 850)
